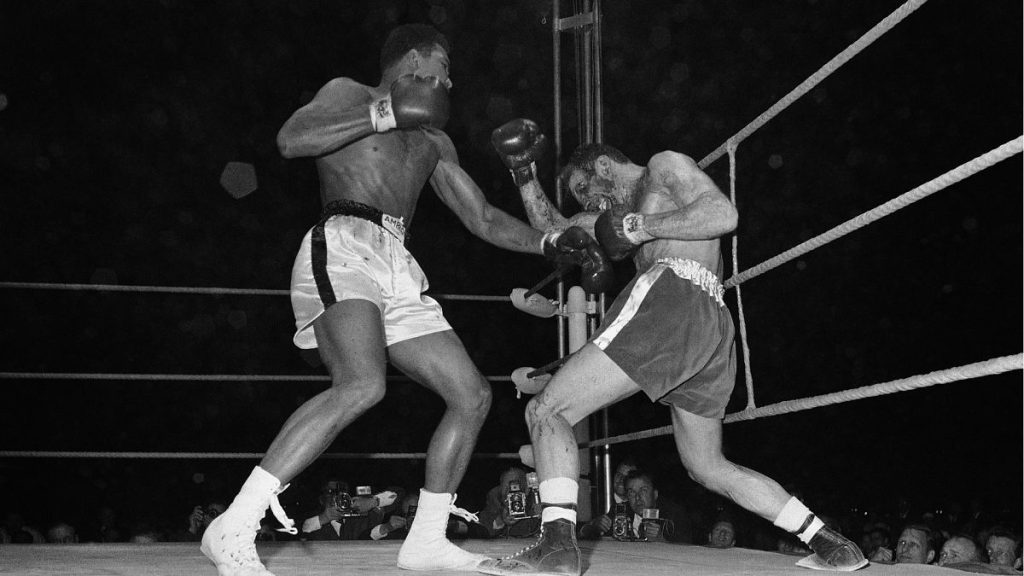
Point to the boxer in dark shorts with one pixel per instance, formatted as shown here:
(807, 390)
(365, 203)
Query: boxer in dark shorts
(670, 331)
(668, 334)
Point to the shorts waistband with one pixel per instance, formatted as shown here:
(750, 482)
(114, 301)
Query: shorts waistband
(698, 275)
(395, 226)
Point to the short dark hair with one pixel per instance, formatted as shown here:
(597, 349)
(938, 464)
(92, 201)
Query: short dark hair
(419, 37)
(637, 475)
(583, 158)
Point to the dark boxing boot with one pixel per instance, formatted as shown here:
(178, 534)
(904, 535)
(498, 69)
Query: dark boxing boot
(837, 552)
(555, 553)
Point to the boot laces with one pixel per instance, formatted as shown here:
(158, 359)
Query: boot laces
(462, 513)
(279, 513)
(242, 548)
(540, 537)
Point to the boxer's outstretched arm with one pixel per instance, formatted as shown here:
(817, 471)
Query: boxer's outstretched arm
(338, 115)
(460, 193)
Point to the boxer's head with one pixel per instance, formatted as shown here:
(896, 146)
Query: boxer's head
(590, 176)
(420, 48)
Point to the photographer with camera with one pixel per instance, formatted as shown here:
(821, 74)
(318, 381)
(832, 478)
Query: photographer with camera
(509, 511)
(602, 525)
(198, 520)
(396, 524)
(651, 518)
(343, 516)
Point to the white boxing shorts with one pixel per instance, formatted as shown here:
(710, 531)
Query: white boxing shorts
(357, 252)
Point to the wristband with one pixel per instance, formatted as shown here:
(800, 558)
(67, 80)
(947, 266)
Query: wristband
(381, 115)
(524, 174)
(549, 239)
(633, 228)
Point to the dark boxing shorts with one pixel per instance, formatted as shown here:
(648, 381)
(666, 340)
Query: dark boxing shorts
(670, 331)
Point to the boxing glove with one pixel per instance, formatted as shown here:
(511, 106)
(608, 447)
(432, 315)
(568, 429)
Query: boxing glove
(413, 101)
(620, 232)
(519, 143)
(574, 246)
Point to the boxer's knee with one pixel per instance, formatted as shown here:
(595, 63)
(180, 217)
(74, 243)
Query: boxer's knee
(360, 394)
(540, 409)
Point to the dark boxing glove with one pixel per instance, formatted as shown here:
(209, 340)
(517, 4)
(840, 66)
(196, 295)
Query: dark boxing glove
(519, 143)
(413, 101)
(596, 274)
(575, 247)
(620, 232)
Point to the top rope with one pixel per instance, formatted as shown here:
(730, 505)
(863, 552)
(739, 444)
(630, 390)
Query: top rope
(831, 66)
(948, 179)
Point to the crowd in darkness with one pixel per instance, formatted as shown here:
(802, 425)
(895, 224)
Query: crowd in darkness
(969, 533)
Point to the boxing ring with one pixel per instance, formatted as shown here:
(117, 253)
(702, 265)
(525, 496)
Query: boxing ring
(607, 557)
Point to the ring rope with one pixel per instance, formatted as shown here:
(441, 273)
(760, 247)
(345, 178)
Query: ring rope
(234, 455)
(206, 290)
(748, 374)
(832, 65)
(949, 178)
(976, 370)
(194, 377)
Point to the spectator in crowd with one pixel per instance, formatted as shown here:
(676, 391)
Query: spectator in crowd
(104, 527)
(918, 544)
(198, 520)
(722, 534)
(495, 518)
(602, 525)
(396, 525)
(1003, 548)
(18, 532)
(877, 537)
(958, 549)
(147, 536)
(642, 494)
(61, 533)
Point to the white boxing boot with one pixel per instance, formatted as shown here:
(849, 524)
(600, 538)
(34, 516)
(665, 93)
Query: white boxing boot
(230, 540)
(426, 547)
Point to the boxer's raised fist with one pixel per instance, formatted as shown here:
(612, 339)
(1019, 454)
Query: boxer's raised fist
(519, 143)
(413, 101)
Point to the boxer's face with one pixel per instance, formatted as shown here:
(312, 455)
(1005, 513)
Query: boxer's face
(594, 193)
(433, 63)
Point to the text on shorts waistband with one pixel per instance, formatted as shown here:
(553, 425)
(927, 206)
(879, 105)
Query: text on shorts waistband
(698, 275)
(395, 226)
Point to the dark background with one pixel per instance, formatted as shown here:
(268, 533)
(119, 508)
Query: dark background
(119, 116)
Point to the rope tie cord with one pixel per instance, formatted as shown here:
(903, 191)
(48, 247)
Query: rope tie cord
(744, 342)
(949, 178)
(976, 370)
(831, 66)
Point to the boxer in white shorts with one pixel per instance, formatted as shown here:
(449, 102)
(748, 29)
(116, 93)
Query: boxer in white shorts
(357, 292)
(357, 252)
